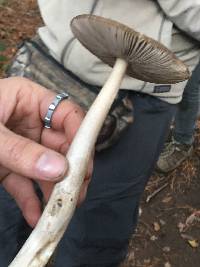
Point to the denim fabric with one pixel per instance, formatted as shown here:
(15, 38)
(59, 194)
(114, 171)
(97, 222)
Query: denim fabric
(188, 110)
(100, 229)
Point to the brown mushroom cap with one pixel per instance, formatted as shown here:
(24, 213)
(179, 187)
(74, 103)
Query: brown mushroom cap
(148, 60)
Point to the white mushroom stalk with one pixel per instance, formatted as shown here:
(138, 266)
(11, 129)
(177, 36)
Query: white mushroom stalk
(43, 240)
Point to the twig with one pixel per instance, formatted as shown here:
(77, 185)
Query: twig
(156, 192)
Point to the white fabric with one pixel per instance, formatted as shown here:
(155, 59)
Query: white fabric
(145, 16)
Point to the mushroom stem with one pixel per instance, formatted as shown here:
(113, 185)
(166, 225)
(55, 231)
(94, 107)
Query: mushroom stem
(43, 240)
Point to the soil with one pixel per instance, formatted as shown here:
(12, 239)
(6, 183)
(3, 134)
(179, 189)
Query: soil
(168, 232)
(18, 21)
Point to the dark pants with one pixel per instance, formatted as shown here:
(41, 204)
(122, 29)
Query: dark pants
(99, 232)
(188, 110)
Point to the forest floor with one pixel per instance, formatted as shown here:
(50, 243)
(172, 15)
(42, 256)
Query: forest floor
(168, 232)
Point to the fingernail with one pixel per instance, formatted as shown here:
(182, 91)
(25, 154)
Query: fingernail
(51, 165)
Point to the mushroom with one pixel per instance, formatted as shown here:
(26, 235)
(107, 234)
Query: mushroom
(130, 52)
(116, 44)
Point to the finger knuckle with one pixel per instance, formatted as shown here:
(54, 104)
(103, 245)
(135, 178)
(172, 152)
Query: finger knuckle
(16, 149)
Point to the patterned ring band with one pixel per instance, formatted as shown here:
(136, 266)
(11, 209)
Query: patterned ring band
(52, 108)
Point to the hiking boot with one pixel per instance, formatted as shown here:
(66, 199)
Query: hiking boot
(173, 155)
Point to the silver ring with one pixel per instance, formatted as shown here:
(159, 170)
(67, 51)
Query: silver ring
(52, 108)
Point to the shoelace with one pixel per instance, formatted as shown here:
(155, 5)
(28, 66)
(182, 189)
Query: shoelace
(169, 148)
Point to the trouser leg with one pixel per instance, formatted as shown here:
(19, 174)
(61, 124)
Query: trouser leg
(13, 228)
(188, 109)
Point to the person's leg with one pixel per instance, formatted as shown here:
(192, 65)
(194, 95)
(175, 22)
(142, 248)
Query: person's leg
(180, 147)
(13, 228)
(187, 113)
(99, 232)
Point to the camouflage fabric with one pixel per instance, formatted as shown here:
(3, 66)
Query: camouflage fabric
(33, 61)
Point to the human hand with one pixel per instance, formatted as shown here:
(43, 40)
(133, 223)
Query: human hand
(27, 149)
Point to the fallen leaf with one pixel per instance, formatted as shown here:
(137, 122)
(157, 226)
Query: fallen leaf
(181, 227)
(153, 238)
(166, 249)
(167, 264)
(156, 226)
(194, 217)
(193, 243)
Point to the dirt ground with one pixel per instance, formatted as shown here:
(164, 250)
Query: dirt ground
(168, 233)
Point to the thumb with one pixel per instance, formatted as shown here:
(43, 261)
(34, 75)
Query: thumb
(30, 159)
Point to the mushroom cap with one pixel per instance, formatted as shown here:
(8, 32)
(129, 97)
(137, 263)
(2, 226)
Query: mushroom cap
(148, 60)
